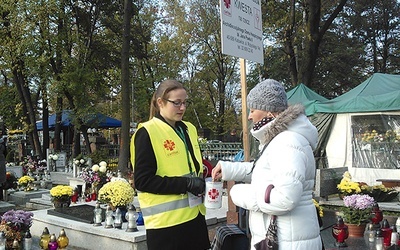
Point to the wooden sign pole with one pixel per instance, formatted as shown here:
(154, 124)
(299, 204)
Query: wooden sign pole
(232, 214)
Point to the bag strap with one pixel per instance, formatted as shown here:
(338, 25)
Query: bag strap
(273, 219)
(271, 222)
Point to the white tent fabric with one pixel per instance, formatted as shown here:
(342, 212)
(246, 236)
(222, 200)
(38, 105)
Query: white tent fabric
(340, 151)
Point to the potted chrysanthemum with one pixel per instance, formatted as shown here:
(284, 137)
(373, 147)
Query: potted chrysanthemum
(61, 195)
(14, 224)
(117, 193)
(24, 182)
(357, 211)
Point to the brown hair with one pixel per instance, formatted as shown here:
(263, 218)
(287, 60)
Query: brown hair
(162, 91)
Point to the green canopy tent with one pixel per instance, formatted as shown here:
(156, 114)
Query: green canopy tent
(374, 105)
(380, 92)
(306, 96)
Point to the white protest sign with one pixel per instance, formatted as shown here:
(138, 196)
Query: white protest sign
(241, 29)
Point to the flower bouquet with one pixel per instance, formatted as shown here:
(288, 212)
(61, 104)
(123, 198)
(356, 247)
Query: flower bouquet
(380, 193)
(97, 175)
(357, 208)
(80, 161)
(14, 223)
(53, 157)
(25, 181)
(347, 186)
(61, 195)
(117, 193)
(32, 164)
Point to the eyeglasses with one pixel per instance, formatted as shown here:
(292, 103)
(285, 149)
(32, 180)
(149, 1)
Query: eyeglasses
(178, 104)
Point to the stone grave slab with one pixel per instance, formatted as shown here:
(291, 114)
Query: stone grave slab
(21, 197)
(83, 213)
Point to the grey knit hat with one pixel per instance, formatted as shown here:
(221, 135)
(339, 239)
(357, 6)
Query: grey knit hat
(268, 95)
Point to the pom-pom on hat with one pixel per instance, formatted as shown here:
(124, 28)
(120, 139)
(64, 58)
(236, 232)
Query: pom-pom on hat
(268, 95)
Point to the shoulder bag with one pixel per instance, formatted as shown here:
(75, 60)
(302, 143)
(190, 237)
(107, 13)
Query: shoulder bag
(271, 238)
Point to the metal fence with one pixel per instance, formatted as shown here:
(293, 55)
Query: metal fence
(220, 150)
(211, 151)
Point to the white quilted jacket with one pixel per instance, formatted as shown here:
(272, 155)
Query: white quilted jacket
(287, 163)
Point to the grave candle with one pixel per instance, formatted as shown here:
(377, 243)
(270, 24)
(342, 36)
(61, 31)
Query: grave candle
(109, 218)
(118, 219)
(27, 241)
(97, 215)
(62, 240)
(2, 241)
(53, 245)
(131, 218)
(44, 239)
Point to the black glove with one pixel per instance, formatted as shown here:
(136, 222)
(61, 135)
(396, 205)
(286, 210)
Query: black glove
(195, 185)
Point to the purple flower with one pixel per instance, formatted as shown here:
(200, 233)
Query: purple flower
(18, 219)
(358, 201)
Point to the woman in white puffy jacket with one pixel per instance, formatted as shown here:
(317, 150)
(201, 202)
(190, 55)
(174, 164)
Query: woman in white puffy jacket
(281, 179)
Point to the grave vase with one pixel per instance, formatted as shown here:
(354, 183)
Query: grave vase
(61, 203)
(123, 210)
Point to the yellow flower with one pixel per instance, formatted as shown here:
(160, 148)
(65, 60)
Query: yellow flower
(25, 180)
(349, 187)
(320, 209)
(61, 191)
(117, 193)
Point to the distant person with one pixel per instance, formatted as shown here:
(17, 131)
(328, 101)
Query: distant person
(168, 174)
(232, 136)
(3, 154)
(281, 179)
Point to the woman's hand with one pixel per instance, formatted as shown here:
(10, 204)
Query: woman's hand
(216, 173)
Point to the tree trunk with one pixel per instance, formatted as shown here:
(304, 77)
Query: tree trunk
(57, 128)
(314, 33)
(125, 140)
(25, 95)
(77, 143)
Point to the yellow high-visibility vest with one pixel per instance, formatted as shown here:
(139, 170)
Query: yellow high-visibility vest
(165, 210)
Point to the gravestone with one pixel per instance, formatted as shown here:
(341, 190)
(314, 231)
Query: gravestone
(17, 170)
(61, 162)
(327, 180)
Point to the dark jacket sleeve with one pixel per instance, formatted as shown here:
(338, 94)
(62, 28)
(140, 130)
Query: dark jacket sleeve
(145, 169)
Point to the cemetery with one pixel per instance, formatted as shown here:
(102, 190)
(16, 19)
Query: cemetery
(77, 218)
(366, 165)
(34, 187)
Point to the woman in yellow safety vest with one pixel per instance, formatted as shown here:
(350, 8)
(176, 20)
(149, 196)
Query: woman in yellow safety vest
(168, 174)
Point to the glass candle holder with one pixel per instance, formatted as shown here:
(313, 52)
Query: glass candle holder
(62, 240)
(109, 218)
(2, 240)
(340, 232)
(131, 218)
(377, 216)
(118, 218)
(27, 241)
(97, 217)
